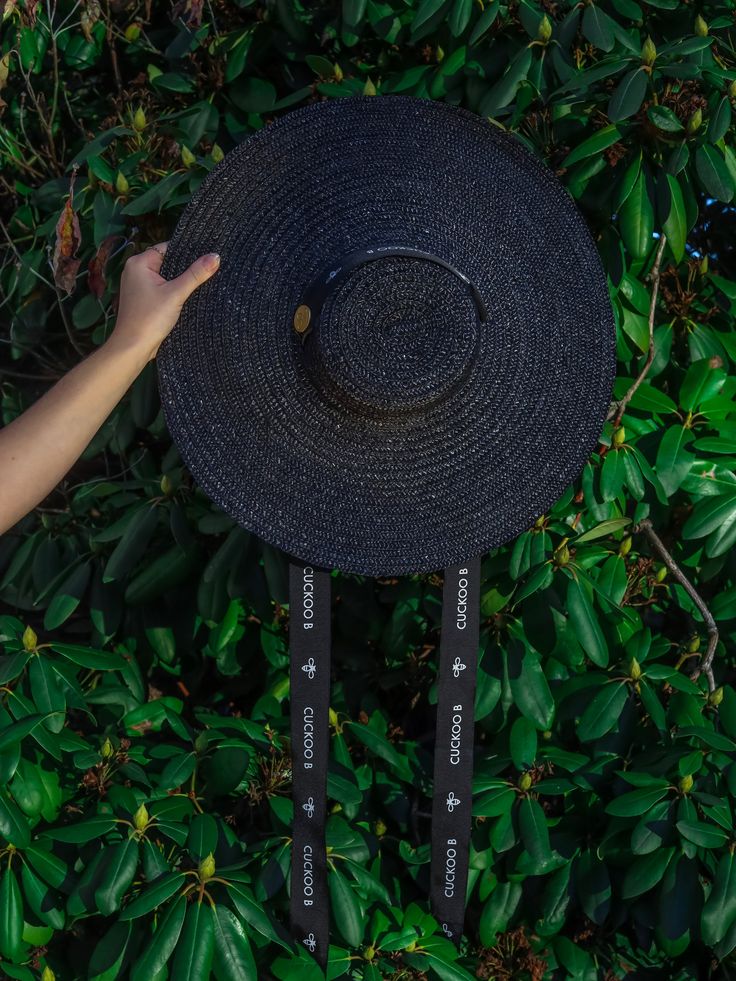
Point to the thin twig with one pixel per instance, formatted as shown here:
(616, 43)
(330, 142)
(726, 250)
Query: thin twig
(706, 662)
(618, 408)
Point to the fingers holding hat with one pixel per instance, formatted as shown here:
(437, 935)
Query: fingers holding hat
(199, 272)
(154, 256)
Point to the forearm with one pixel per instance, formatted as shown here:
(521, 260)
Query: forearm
(39, 447)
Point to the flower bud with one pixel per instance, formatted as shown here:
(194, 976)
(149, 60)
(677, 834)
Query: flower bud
(562, 555)
(618, 437)
(716, 697)
(661, 573)
(381, 828)
(703, 267)
(694, 644)
(625, 546)
(30, 640)
(167, 485)
(694, 122)
(439, 53)
(525, 781)
(201, 742)
(332, 717)
(369, 953)
(544, 31)
(139, 120)
(634, 669)
(369, 88)
(107, 750)
(338, 73)
(216, 153)
(141, 818)
(187, 157)
(686, 784)
(132, 32)
(700, 27)
(47, 974)
(207, 868)
(648, 52)
(121, 184)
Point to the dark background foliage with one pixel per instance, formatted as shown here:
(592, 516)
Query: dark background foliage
(144, 684)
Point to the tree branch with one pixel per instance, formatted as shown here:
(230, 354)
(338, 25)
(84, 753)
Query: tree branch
(706, 661)
(618, 408)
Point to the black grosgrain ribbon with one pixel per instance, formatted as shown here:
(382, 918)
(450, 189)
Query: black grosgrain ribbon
(453, 759)
(309, 636)
(309, 598)
(316, 294)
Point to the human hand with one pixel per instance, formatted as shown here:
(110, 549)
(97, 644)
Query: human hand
(149, 304)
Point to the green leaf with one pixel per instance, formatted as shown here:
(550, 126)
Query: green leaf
(595, 144)
(346, 908)
(460, 16)
(636, 219)
(702, 381)
(597, 27)
(628, 95)
(494, 802)
(121, 863)
(47, 692)
(603, 712)
(719, 911)
(484, 22)
(11, 915)
(426, 10)
(13, 825)
(86, 657)
(504, 90)
(67, 597)
(196, 946)
(720, 121)
(713, 173)
(529, 686)
(523, 744)
(675, 224)
(644, 874)
(12, 666)
(673, 463)
(154, 896)
(160, 947)
(132, 546)
(636, 802)
(17, 731)
(82, 831)
(710, 515)
(534, 832)
(585, 623)
(254, 914)
(602, 530)
(154, 198)
(233, 958)
(111, 953)
(178, 770)
(702, 834)
(665, 119)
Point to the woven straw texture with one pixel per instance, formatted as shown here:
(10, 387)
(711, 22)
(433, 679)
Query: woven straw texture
(403, 435)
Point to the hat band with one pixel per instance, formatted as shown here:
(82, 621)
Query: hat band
(306, 316)
(309, 642)
(336, 381)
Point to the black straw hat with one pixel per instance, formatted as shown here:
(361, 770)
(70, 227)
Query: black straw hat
(405, 357)
(408, 351)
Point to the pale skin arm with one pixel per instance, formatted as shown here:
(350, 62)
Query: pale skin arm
(39, 447)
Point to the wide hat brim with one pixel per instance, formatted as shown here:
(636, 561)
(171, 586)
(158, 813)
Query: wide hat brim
(492, 421)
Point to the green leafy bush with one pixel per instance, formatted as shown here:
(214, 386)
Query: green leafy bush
(144, 725)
